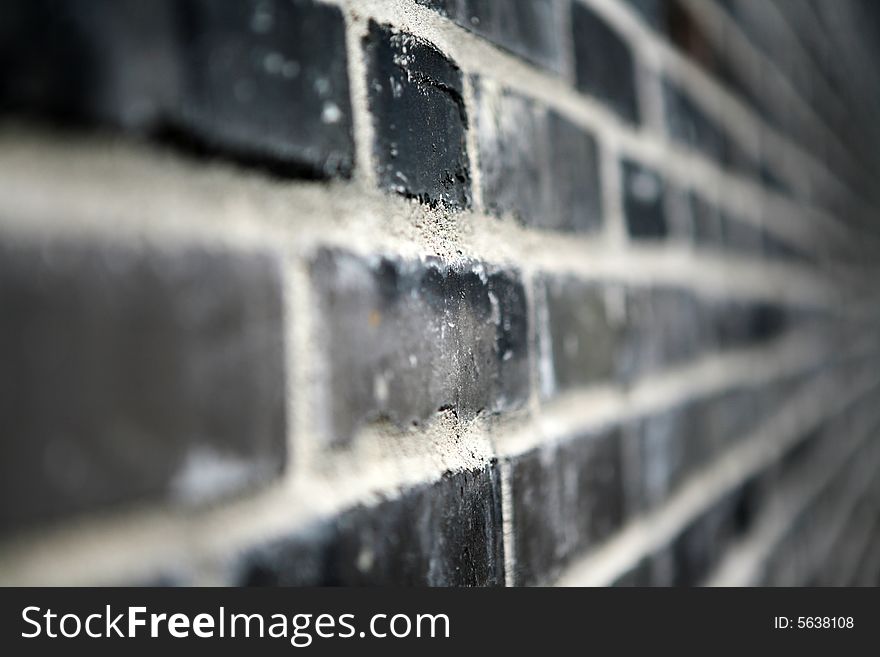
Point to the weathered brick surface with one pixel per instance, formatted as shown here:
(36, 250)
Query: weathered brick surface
(447, 533)
(135, 375)
(402, 339)
(536, 164)
(531, 30)
(604, 332)
(597, 249)
(269, 80)
(419, 119)
(565, 498)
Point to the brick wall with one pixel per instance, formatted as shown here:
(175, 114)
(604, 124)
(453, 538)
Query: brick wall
(446, 292)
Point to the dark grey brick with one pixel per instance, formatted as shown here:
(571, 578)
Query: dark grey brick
(741, 237)
(707, 230)
(415, 96)
(702, 543)
(585, 332)
(644, 200)
(269, 79)
(535, 164)
(665, 326)
(691, 125)
(113, 61)
(565, 498)
(604, 65)
(404, 338)
(447, 533)
(529, 29)
(135, 374)
(655, 454)
(737, 323)
(601, 332)
(653, 12)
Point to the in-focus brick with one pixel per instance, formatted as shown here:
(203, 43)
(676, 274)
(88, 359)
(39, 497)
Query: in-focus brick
(644, 194)
(269, 79)
(528, 29)
(603, 61)
(566, 497)
(133, 375)
(419, 118)
(402, 339)
(535, 164)
(447, 533)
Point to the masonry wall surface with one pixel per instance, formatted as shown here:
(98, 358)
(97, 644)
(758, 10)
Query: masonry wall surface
(439, 292)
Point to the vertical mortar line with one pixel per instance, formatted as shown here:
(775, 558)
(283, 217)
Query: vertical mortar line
(301, 391)
(566, 42)
(507, 524)
(533, 409)
(611, 184)
(471, 140)
(362, 122)
(649, 88)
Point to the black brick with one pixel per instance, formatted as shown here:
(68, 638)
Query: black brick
(535, 164)
(566, 497)
(269, 79)
(443, 534)
(415, 96)
(134, 375)
(644, 194)
(405, 338)
(603, 62)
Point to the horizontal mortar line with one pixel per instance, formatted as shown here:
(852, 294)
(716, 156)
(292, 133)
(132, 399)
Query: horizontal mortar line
(656, 52)
(602, 405)
(648, 533)
(476, 55)
(141, 540)
(219, 207)
(742, 564)
(716, 19)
